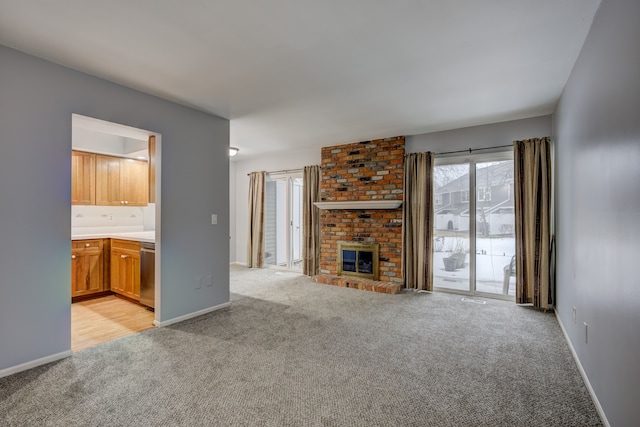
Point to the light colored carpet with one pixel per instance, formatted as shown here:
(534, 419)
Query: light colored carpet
(289, 352)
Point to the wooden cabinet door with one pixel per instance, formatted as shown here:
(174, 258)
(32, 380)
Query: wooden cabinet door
(117, 282)
(135, 182)
(86, 267)
(75, 263)
(152, 169)
(121, 182)
(83, 178)
(108, 181)
(134, 271)
(125, 268)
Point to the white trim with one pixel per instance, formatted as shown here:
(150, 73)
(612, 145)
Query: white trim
(357, 205)
(596, 402)
(191, 315)
(34, 363)
(238, 263)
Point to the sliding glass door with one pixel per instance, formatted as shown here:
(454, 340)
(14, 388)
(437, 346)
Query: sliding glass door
(283, 221)
(474, 241)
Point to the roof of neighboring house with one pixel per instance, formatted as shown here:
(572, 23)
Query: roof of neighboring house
(493, 175)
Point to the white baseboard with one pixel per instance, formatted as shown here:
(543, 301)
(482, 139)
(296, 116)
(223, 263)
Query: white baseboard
(239, 263)
(34, 363)
(190, 315)
(596, 402)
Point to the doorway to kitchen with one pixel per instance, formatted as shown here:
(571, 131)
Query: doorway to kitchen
(474, 234)
(283, 220)
(115, 259)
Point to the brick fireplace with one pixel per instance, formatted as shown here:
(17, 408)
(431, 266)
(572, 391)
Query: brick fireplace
(367, 171)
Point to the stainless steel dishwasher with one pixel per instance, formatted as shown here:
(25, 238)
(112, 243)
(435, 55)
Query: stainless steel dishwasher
(147, 274)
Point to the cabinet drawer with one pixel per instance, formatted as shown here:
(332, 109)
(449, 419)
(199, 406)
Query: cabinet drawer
(126, 245)
(86, 244)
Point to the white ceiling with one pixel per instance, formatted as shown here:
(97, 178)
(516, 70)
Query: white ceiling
(293, 74)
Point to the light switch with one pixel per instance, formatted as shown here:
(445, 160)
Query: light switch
(214, 219)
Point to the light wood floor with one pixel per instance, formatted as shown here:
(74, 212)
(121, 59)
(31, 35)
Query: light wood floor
(99, 320)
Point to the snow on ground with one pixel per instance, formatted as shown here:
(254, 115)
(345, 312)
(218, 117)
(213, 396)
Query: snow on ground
(492, 255)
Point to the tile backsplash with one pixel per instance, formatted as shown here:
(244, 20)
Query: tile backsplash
(112, 218)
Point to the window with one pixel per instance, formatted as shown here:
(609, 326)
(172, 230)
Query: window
(484, 194)
(464, 196)
(439, 199)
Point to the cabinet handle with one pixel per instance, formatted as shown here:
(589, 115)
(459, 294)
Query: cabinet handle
(123, 256)
(73, 257)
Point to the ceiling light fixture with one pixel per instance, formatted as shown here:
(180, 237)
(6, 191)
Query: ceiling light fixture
(233, 151)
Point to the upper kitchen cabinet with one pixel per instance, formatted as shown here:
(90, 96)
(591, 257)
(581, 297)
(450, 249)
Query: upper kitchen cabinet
(83, 178)
(135, 182)
(152, 169)
(121, 181)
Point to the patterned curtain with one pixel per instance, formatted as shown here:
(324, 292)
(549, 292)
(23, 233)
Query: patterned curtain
(532, 166)
(311, 220)
(255, 241)
(417, 227)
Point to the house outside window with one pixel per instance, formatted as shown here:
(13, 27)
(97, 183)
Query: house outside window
(484, 194)
(439, 199)
(464, 196)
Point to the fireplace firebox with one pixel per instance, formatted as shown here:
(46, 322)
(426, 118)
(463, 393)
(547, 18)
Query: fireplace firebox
(358, 259)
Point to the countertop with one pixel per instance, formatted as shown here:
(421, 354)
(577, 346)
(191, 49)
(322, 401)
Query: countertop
(138, 236)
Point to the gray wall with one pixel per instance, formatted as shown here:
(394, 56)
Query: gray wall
(36, 103)
(597, 134)
(492, 135)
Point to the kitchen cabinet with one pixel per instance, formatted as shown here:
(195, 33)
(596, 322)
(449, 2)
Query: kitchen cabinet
(87, 267)
(125, 268)
(83, 178)
(152, 169)
(121, 181)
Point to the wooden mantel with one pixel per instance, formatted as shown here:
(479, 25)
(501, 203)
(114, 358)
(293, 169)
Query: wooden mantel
(360, 205)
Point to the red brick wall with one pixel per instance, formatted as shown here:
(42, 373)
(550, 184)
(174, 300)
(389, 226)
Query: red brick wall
(368, 170)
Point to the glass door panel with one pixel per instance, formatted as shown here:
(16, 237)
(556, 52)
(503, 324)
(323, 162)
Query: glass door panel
(276, 222)
(451, 227)
(296, 224)
(495, 233)
(283, 221)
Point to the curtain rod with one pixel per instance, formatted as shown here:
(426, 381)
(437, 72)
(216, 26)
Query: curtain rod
(474, 149)
(283, 171)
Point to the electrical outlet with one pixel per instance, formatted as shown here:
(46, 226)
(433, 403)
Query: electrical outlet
(209, 280)
(574, 314)
(586, 332)
(110, 217)
(198, 282)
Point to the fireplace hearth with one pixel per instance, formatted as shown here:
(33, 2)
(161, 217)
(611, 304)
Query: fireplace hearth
(358, 259)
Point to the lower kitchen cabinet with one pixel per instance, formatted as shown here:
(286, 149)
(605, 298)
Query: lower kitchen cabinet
(87, 267)
(125, 268)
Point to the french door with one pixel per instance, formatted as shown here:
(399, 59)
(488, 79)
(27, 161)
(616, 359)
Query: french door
(474, 234)
(283, 221)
